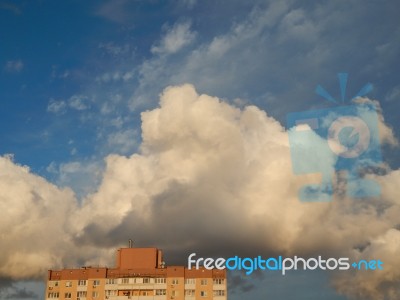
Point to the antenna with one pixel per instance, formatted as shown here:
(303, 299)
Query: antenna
(130, 243)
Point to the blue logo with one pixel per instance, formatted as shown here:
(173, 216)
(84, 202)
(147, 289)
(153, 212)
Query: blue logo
(341, 138)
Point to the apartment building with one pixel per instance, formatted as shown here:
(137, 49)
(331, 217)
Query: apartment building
(140, 273)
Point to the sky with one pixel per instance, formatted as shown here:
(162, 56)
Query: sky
(165, 122)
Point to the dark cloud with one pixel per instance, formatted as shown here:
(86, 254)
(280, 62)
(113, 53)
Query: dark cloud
(10, 290)
(240, 283)
(22, 294)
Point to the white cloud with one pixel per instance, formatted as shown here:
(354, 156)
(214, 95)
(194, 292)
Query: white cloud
(114, 10)
(56, 106)
(115, 50)
(76, 102)
(124, 141)
(83, 177)
(297, 26)
(115, 76)
(175, 39)
(188, 3)
(14, 66)
(35, 229)
(394, 94)
(202, 166)
(223, 64)
(202, 159)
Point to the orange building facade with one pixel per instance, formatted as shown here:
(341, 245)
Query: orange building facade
(140, 273)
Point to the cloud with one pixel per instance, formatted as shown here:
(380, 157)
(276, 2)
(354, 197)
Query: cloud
(272, 53)
(32, 204)
(188, 3)
(75, 102)
(78, 102)
(175, 39)
(10, 7)
(113, 49)
(56, 106)
(83, 177)
(115, 76)
(22, 294)
(36, 226)
(10, 290)
(209, 177)
(218, 179)
(382, 284)
(124, 140)
(114, 10)
(393, 95)
(14, 66)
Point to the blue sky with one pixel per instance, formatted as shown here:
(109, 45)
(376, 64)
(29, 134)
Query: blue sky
(75, 77)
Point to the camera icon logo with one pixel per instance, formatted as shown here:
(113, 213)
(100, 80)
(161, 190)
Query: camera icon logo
(342, 138)
(348, 137)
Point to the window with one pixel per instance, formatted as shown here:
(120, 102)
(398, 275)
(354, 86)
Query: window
(174, 293)
(96, 282)
(146, 280)
(68, 283)
(53, 295)
(160, 280)
(111, 281)
(175, 281)
(67, 296)
(82, 294)
(203, 282)
(161, 292)
(111, 293)
(219, 293)
(125, 280)
(82, 282)
(189, 293)
(145, 293)
(203, 293)
(190, 281)
(95, 294)
(53, 283)
(218, 281)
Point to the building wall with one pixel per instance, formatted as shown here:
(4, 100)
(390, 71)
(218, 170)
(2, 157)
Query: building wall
(139, 275)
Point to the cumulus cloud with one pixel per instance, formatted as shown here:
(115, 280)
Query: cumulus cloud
(218, 179)
(32, 204)
(36, 226)
(209, 177)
